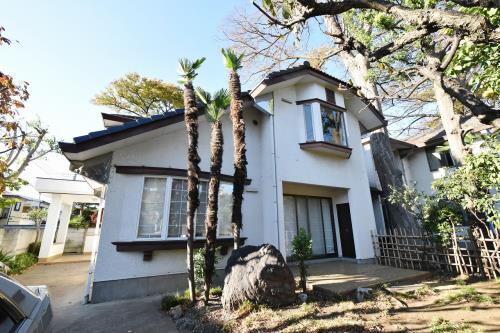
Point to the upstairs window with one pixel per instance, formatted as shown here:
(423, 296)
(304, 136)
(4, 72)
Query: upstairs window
(333, 126)
(437, 159)
(308, 120)
(330, 96)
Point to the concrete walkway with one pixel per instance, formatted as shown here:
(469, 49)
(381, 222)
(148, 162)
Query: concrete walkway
(66, 259)
(66, 284)
(343, 276)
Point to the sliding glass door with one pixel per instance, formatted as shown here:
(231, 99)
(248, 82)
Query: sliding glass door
(314, 215)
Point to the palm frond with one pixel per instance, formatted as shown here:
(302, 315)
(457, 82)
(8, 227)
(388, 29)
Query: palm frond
(217, 107)
(203, 95)
(187, 69)
(232, 60)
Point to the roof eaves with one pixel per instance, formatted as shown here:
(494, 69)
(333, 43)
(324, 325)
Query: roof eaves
(283, 75)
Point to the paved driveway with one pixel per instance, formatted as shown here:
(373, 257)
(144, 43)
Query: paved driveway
(66, 284)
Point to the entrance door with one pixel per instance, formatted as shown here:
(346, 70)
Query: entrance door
(345, 226)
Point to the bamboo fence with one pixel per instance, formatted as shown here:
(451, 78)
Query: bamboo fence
(469, 252)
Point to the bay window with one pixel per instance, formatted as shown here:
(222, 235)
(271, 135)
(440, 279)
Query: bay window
(332, 122)
(164, 207)
(323, 123)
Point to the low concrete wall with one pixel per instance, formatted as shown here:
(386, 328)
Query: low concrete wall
(75, 241)
(15, 240)
(105, 291)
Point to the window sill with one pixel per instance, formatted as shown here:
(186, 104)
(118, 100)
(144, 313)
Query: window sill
(147, 247)
(327, 148)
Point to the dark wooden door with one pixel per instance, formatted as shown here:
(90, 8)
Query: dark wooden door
(345, 226)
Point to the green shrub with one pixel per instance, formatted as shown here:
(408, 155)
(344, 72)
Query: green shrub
(171, 301)
(78, 222)
(34, 248)
(5, 257)
(199, 264)
(302, 251)
(435, 214)
(216, 291)
(21, 262)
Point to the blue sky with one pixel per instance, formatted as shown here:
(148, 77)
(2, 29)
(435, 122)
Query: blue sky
(70, 50)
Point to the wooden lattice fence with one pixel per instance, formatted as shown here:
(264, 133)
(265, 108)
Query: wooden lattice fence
(468, 254)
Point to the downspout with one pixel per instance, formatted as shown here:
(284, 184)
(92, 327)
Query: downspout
(276, 194)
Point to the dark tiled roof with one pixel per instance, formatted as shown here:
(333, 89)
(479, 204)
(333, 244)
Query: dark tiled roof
(128, 125)
(115, 133)
(437, 135)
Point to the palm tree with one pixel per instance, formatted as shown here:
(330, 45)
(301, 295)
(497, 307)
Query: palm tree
(187, 71)
(215, 109)
(233, 63)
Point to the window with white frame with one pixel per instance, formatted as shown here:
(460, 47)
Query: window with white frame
(152, 208)
(332, 122)
(173, 196)
(308, 121)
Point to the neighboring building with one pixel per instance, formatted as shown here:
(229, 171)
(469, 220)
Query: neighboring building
(18, 212)
(306, 169)
(420, 160)
(424, 163)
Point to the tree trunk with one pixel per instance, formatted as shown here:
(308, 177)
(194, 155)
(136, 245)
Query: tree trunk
(451, 123)
(216, 149)
(449, 119)
(389, 176)
(240, 159)
(191, 121)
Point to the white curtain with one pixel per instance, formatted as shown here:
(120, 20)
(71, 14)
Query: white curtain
(152, 205)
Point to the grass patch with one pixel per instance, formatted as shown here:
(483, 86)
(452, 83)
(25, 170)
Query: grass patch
(216, 291)
(246, 308)
(468, 294)
(423, 291)
(440, 325)
(171, 301)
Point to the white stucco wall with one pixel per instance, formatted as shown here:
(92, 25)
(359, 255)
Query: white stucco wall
(263, 204)
(418, 173)
(305, 167)
(123, 197)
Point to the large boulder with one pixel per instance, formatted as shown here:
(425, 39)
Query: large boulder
(258, 274)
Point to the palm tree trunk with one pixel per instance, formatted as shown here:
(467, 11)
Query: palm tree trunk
(216, 148)
(191, 120)
(240, 159)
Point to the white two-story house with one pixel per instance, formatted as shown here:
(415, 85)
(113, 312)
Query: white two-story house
(305, 170)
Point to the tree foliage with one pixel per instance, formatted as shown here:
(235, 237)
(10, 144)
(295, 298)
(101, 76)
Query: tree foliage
(38, 215)
(21, 141)
(436, 216)
(472, 190)
(140, 96)
(476, 184)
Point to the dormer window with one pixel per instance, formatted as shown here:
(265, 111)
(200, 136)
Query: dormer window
(333, 126)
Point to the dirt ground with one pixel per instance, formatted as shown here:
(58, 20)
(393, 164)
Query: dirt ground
(433, 306)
